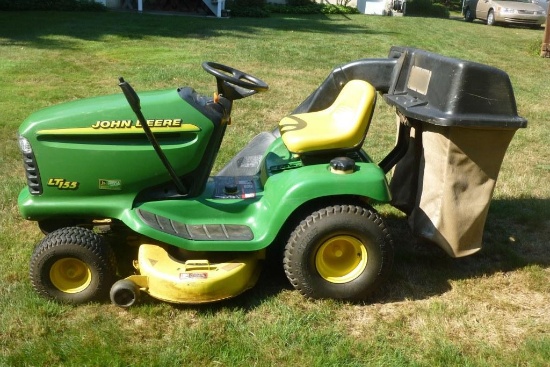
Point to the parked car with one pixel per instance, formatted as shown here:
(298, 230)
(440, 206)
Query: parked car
(519, 12)
(543, 4)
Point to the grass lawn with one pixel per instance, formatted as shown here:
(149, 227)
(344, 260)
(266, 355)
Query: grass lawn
(490, 309)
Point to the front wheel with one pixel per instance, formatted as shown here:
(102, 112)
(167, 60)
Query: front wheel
(73, 265)
(491, 18)
(340, 252)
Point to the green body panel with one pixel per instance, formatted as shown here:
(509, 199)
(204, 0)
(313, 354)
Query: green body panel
(94, 162)
(39, 207)
(281, 194)
(93, 148)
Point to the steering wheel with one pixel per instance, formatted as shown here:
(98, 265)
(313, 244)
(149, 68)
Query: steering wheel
(234, 76)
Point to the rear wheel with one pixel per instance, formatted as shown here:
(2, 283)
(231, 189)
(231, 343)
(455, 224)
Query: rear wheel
(73, 265)
(340, 252)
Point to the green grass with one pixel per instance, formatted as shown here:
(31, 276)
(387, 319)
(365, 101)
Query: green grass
(491, 309)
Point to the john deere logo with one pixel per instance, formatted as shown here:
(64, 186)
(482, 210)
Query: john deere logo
(110, 184)
(126, 124)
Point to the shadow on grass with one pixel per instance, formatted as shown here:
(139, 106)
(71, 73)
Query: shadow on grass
(515, 236)
(55, 29)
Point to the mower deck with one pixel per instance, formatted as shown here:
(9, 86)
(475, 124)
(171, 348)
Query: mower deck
(194, 281)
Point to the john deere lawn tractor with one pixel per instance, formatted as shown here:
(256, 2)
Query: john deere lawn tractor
(122, 186)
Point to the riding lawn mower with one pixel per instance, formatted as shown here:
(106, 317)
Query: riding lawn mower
(121, 185)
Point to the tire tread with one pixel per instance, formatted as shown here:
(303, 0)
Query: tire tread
(368, 214)
(88, 241)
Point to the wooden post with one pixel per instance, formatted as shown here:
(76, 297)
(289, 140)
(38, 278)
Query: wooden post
(545, 48)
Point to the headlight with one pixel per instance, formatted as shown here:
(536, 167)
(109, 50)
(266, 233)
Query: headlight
(507, 11)
(31, 168)
(24, 145)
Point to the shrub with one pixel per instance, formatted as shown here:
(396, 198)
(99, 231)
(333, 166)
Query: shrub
(426, 8)
(248, 12)
(62, 5)
(299, 2)
(339, 9)
(312, 8)
(455, 5)
(247, 8)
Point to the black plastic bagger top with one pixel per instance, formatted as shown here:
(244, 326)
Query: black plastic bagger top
(429, 87)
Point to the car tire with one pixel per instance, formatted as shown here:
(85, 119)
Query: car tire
(468, 16)
(73, 265)
(491, 18)
(339, 252)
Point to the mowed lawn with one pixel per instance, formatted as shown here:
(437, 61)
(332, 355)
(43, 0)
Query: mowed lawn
(490, 309)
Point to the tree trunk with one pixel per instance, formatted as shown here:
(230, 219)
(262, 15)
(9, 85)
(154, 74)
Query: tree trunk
(545, 48)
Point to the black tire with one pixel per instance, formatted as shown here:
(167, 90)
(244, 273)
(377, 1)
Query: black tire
(340, 252)
(73, 265)
(491, 18)
(468, 16)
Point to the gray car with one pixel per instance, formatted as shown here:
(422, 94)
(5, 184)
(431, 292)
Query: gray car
(519, 12)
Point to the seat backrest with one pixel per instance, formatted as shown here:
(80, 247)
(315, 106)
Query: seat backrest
(342, 126)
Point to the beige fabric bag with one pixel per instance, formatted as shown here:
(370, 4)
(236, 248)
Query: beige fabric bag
(446, 181)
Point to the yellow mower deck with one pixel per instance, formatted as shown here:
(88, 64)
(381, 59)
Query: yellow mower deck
(194, 281)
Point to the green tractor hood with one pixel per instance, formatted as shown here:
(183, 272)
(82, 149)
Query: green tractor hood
(93, 151)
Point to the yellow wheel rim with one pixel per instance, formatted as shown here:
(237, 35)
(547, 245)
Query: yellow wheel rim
(341, 259)
(70, 275)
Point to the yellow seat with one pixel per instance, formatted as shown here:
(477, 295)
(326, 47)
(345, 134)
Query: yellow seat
(342, 126)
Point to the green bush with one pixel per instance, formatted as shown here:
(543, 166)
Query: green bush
(440, 11)
(249, 12)
(299, 2)
(62, 5)
(311, 8)
(247, 8)
(247, 3)
(339, 9)
(455, 5)
(425, 8)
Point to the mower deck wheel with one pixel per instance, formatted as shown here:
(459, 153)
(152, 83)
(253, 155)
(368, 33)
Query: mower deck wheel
(73, 265)
(124, 293)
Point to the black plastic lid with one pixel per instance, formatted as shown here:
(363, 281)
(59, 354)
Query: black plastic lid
(451, 92)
